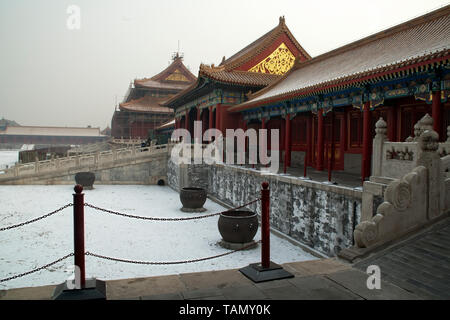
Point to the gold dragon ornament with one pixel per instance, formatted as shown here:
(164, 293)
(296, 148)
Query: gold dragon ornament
(278, 62)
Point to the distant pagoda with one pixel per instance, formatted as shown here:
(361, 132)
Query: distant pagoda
(142, 109)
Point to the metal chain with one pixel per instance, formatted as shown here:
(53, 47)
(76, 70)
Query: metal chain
(169, 262)
(36, 270)
(165, 219)
(37, 219)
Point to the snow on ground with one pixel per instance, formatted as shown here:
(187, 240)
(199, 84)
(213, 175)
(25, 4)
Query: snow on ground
(34, 245)
(8, 158)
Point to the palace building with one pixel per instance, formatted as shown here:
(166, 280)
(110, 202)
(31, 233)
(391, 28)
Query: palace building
(326, 107)
(218, 88)
(142, 109)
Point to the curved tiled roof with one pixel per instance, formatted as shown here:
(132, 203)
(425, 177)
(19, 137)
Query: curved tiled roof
(259, 45)
(226, 72)
(418, 40)
(160, 81)
(146, 104)
(166, 125)
(238, 77)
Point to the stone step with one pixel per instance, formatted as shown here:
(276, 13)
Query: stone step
(409, 270)
(429, 254)
(432, 246)
(433, 265)
(392, 273)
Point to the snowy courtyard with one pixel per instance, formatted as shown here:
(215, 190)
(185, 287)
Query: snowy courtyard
(37, 244)
(8, 158)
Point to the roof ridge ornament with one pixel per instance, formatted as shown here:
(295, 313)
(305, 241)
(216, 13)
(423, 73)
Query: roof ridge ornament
(282, 20)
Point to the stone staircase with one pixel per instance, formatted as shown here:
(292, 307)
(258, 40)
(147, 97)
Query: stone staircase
(420, 264)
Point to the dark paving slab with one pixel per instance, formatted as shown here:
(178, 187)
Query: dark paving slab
(167, 296)
(320, 288)
(420, 265)
(243, 293)
(356, 281)
(201, 293)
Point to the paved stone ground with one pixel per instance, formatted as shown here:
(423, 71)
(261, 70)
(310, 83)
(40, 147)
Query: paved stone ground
(326, 279)
(420, 265)
(417, 268)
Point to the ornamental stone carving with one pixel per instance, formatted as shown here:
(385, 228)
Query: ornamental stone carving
(380, 128)
(399, 194)
(429, 141)
(404, 208)
(426, 123)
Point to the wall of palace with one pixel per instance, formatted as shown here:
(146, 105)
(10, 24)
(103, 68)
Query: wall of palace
(319, 215)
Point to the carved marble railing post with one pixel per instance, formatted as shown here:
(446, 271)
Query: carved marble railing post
(409, 202)
(429, 158)
(77, 160)
(425, 123)
(96, 158)
(377, 146)
(36, 164)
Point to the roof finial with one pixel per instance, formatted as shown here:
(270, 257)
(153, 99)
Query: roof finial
(282, 21)
(177, 55)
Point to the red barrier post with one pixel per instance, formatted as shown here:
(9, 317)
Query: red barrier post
(265, 225)
(78, 232)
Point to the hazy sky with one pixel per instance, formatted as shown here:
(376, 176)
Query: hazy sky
(53, 76)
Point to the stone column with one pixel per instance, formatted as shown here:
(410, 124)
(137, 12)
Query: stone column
(430, 159)
(377, 147)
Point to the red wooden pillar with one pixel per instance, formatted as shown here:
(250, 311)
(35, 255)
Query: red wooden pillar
(309, 139)
(287, 143)
(436, 111)
(263, 144)
(78, 232)
(365, 166)
(186, 120)
(320, 144)
(343, 138)
(218, 126)
(244, 127)
(210, 113)
(331, 160)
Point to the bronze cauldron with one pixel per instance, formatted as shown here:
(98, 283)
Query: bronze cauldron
(86, 179)
(238, 226)
(193, 199)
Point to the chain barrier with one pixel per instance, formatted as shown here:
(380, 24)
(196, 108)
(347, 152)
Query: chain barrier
(36, 270)
(36, 219)
(166, 219)
(170, 262)
(125, 260)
